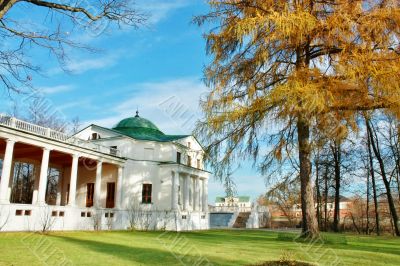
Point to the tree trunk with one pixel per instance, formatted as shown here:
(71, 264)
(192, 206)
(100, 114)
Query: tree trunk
(367, 211)
(386, 182)
(372, 173)
(309, 221)
(326, 192)
(5, 5)
(318, 192)
(337, 158)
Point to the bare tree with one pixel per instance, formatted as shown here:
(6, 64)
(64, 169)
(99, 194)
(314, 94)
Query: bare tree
(133, 214)
(61, 19)
(96, 220)
(286, 195)
(374, 140)
(46, 219)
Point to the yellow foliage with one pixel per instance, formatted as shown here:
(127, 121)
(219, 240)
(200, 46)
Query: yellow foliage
(302, 58)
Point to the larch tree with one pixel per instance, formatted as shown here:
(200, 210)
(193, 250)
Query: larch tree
(293, 66)
(52, 31)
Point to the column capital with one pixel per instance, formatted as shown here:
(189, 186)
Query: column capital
(11, 141)
(75, 155)
(46, 149)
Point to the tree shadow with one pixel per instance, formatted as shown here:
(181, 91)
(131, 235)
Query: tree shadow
(165, 255)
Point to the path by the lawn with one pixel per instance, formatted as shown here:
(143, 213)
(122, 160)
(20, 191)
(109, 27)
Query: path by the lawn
(218, 247)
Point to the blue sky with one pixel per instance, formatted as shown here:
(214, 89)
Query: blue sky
(148, 68)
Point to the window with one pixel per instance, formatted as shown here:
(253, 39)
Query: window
(178, 157)
(53, 180)
(95, 136)
(146, 193)
(188, 144)
(23, 183)
(189, 160)
(110, 195)
(113, 150)
(198, 164)
(89, 194)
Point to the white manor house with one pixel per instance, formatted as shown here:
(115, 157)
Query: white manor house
(130, 176)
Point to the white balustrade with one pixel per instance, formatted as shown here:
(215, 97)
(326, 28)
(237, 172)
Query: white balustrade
(9, 121)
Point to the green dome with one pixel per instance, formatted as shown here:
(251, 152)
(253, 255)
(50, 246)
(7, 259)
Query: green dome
(135, 123)
(143, 129)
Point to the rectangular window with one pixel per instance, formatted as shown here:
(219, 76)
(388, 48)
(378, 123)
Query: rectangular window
(53, 179)
(146, 193)
(113, 150)
(198, 164)
(23, 183)
(189, 160)
(95, 136)
(89, 194)
(110, 195)
(178, 157)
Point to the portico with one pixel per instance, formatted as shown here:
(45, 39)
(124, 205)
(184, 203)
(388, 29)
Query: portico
(189, 188)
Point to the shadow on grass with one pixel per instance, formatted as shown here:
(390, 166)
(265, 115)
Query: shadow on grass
(342, 242)
(187, 255)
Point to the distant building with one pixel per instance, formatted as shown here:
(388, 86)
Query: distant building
(286, 216)
(241, 202)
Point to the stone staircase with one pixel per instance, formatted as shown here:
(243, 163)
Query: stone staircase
(241, 220)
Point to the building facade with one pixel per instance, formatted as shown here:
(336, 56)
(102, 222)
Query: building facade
(241, 203)
(130, 176)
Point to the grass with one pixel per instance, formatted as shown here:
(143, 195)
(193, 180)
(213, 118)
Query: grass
(220, 247)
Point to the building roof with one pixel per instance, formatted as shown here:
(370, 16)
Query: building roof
(244, 199)
(219, 199)
(143, 129)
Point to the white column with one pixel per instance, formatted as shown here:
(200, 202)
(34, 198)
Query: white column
(118, 197)
(196, 192)
(6, 172)
(44, 171)
(97, 185)
(74, 177)
(205, 195)
(174, 191)
(186, 193)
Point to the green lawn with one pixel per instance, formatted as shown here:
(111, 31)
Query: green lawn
(219, 247)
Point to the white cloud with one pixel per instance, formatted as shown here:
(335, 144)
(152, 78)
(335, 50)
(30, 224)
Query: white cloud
(159, 10)
(55, 89)
(173, 105)
(79, 65)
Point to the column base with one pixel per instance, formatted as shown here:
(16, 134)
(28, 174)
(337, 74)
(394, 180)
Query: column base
(41, 204)
(4, 201)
